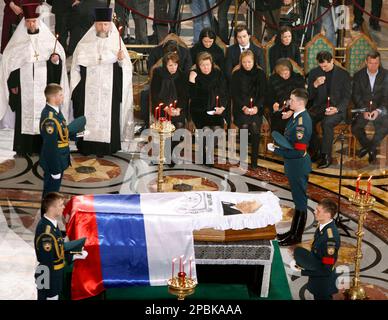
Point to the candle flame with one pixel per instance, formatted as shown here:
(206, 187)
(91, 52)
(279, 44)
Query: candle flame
(174, 260)
(370, 178)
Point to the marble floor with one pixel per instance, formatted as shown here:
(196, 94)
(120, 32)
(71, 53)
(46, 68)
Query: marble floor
(21, 185)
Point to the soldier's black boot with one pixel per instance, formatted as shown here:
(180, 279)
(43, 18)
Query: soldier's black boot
(296, 237)
(292, 230)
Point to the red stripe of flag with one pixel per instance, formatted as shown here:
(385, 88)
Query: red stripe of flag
(86, 279)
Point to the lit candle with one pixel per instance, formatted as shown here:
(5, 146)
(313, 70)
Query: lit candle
(217, 98)
(328, 102)
(369, 185)
(191, 260)
(156, 113)
(251, 103)
(183, 268)
(175, 102)
(56, 40)
(284, 104)
(180, 263)
(160, 109)
(170, 110)
(120, 29)
(358, 183)
(173, 266)
(370, 106)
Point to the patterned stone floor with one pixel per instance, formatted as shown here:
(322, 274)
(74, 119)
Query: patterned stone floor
(21, 185)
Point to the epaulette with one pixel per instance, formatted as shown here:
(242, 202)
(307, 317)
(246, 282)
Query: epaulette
(330, 233)
(48, 229)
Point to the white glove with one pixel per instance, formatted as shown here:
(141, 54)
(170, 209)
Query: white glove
(82, 134)
(56, 176)
(271, 147)
(80, 256)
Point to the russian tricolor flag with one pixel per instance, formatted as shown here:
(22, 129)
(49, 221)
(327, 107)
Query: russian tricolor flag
(125, 246)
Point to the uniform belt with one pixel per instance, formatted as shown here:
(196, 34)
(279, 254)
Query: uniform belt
(63, 144)
(59, 266)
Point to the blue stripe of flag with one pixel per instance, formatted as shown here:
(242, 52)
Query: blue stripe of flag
(122, 240)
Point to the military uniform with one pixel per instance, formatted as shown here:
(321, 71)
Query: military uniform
(49, 249)
(318, 264)
(52, 252)
(297, 166)
(55, 154)
(297, 163)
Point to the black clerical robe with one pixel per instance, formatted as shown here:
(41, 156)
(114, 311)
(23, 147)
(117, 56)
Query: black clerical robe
(27, 143)
(78, 97)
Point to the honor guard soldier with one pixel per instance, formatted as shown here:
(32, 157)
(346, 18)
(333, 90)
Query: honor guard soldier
(318, 264)
(297, 164)
(50, 249)
(55, 154)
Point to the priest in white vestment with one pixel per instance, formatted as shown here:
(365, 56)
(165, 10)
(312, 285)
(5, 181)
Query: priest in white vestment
(32, 59)
(101, 87)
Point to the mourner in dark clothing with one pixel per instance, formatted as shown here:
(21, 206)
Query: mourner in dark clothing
(280, 85)
(156, 55)
(13, 13)
(329, 89)
(62, 10)
(242, 35)
(284, 47)
(207, 43)
(169, 88)
(248, 88)
(208, 97)
(370, 92)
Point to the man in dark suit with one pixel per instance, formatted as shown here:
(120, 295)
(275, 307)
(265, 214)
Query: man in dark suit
(370, 92)
(318, 264)
(243, 37)
(329, 88)
(62, 12)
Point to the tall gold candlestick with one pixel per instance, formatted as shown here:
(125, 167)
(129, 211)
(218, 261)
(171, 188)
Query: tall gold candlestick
(165, 129)
(364, 203)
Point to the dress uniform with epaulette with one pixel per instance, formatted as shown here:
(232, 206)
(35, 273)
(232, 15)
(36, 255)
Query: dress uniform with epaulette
(297, 166)
(318, 264)
(52, 252)
(49, 249)
(55, 153)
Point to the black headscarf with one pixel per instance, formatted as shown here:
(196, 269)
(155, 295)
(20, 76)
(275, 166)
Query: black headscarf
(168, 93)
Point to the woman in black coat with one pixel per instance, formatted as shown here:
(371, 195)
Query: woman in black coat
(284, 47)
(248, 87)
(207, 43)
(169, 90)
(208, 97)
(280, 85)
